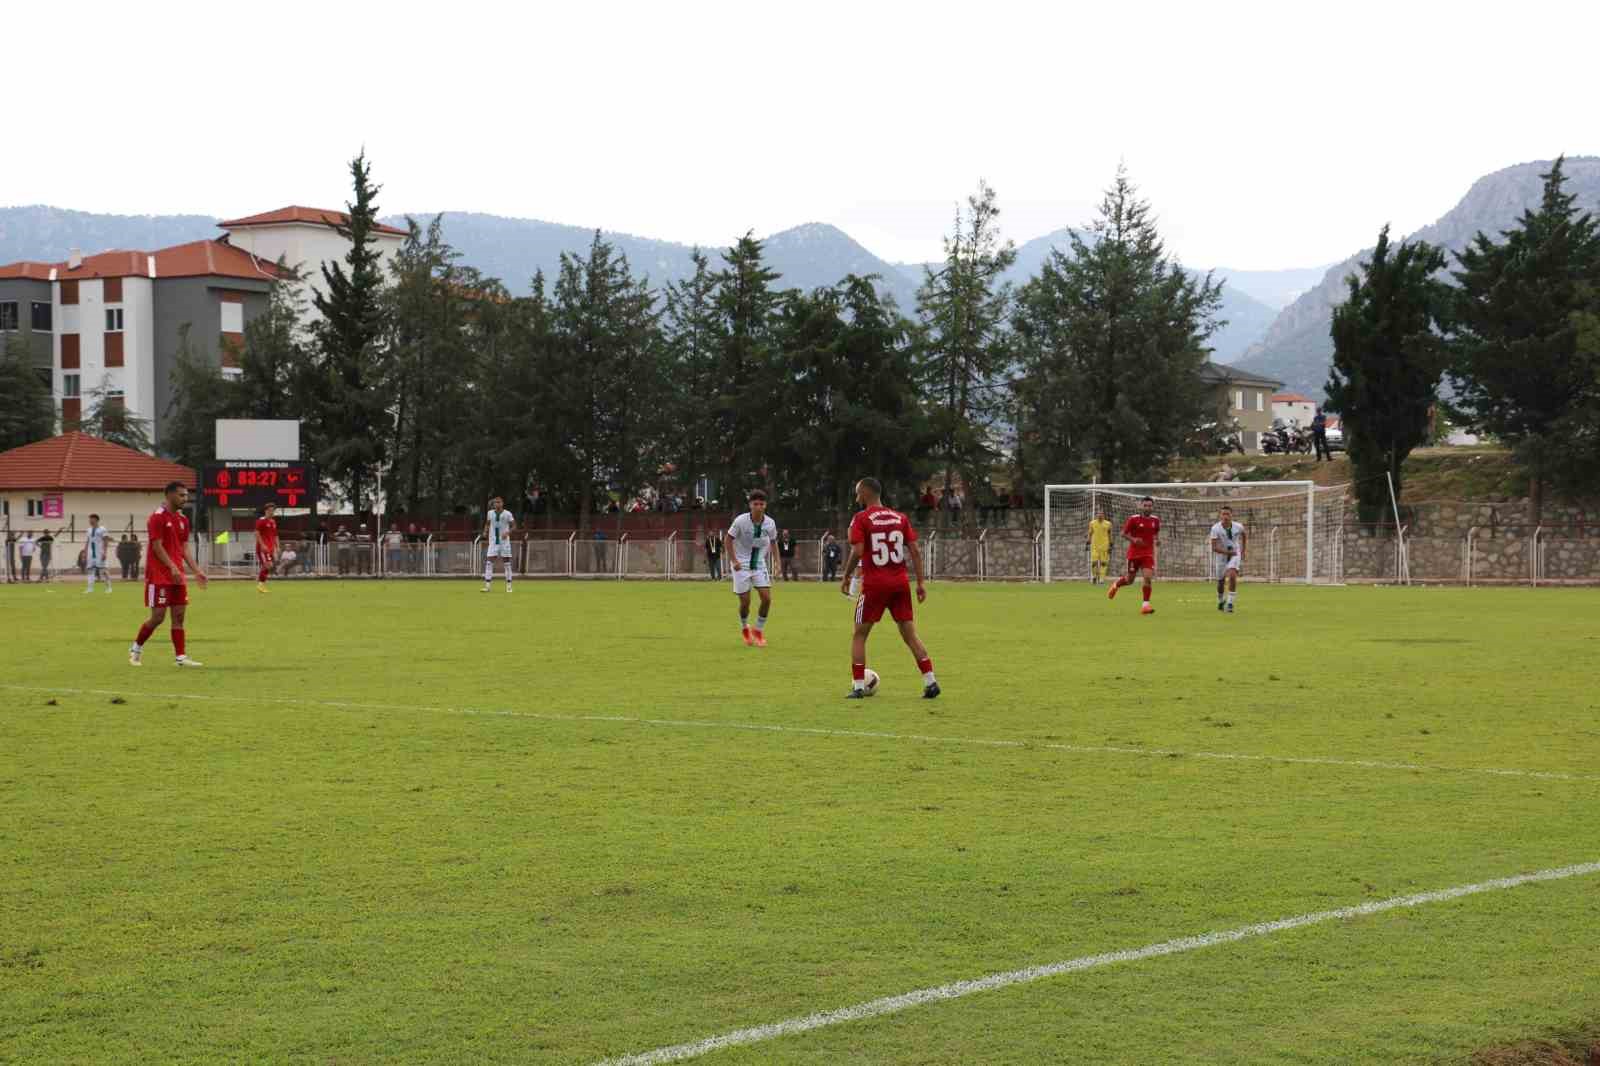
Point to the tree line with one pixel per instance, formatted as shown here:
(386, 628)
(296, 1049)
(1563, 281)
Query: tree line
(1505, 341)
(431, 386)
(436, 387)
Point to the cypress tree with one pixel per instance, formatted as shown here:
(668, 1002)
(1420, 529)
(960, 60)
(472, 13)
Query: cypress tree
(1522, 369)
(1388, 357)
(351, 394)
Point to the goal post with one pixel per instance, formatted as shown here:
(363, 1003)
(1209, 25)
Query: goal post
(1292, 527)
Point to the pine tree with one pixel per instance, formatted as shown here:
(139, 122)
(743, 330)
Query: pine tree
(1388, 357)
(1111, 340)
(352, 395)
(1519, 371)
(432, 365)
(274, 353)
(849, 404)
(26, 411)
(964, 306)
(108, 418)
(607, 390)
(692, 336)
(747, 308)
(200, 396)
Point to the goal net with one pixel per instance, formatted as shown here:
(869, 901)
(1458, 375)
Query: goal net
(1292, 528)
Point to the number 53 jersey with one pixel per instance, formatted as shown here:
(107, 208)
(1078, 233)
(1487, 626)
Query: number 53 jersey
(884, 535)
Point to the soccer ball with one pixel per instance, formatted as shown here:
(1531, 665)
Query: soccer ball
(871, 678)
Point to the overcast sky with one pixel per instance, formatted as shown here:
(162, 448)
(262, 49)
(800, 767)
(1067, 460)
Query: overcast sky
(1267, 135)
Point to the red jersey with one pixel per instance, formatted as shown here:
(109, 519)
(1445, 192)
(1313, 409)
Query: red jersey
(883, 534)
(170, 529)
(267, 535)
(1141, 531)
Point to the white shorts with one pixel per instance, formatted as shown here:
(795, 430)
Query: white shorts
(1222, 564)
(747, 579)
(499, 551)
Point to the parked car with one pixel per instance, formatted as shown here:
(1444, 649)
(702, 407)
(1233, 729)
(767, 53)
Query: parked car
(1335, 439)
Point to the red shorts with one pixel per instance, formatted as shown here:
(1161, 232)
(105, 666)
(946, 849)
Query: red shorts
(1141, 562)
(265, 559)
(873, 602)
(166, 595)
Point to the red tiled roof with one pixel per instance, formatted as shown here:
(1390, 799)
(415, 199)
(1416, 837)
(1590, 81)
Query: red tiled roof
(1290, 397)
(36, 271)
(315, 215)
(79, 461)
(197, 259)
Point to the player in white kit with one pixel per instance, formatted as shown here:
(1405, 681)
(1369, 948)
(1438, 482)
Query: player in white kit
(747, 544)
(1227, 556)
(94, 554)
(497, 527)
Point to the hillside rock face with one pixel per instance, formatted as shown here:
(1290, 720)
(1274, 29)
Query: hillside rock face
(1297, 348)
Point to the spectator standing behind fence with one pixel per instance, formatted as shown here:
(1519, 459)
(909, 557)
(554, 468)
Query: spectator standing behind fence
(786, 554)
(600, 555)
(413, 549)
(25, 548)
(47, 545)
(11, 556)
(307, 555)
(714, 554)
(138, 555)
(344, 549)
(124, 561)
(832, 556)
(363, 551)
(395, 542)
(1319, 435)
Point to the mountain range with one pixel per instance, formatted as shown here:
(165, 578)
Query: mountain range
(513, 249)
(1297, 350)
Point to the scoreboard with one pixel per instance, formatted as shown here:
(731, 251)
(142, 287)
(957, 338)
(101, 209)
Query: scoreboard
(258, 482)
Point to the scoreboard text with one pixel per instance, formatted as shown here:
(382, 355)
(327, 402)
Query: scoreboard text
(258, 482)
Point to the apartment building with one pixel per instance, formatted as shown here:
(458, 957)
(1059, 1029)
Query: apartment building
(114, 321)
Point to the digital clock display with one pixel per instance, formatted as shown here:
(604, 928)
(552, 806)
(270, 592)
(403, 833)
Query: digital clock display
(257, 482)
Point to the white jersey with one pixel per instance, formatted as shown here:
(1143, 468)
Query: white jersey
(500, 525)
(97, 545)
(752, 543)
(1230, 538)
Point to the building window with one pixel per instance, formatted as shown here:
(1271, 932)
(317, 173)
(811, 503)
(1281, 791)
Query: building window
(41, 317)
(70, 385)
(113, 320)
(113, 410)
(1238, 399)
(8, 315)
(1260, 401)
(35, 508)
(232, 317)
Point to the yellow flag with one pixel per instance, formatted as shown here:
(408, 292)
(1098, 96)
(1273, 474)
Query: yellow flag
(223, 538)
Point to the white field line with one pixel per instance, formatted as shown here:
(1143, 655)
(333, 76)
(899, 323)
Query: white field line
(955, 990)
(763, 727)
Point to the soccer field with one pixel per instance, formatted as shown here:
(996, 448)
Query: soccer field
(410, 822)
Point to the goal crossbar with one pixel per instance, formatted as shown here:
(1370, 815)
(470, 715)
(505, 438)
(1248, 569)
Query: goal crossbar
(1223, 491)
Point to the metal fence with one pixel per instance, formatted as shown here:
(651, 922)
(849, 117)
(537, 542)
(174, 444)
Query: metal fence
(1483, 555)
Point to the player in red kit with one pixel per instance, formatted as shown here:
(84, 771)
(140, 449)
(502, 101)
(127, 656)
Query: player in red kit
(880, 540)
(266, 544)
(164, 585)
(1143, 532)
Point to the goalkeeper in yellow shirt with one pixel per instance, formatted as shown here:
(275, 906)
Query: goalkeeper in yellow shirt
(1099, 545)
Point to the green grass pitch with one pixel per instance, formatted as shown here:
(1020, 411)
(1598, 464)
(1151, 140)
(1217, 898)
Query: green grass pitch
(409, 822)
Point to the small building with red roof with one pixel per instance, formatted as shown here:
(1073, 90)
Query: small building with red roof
(113, 322)
(1294, 407)
(56, 484)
